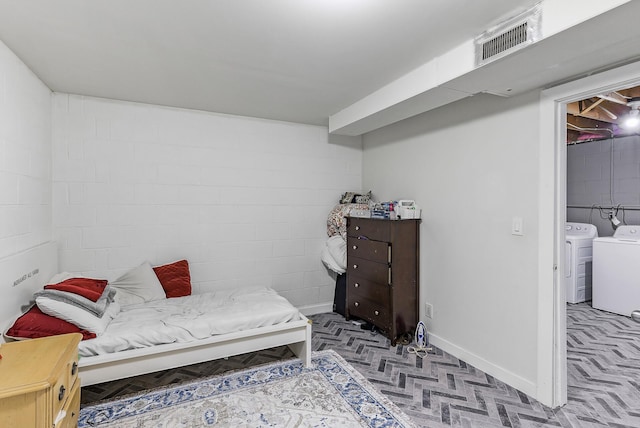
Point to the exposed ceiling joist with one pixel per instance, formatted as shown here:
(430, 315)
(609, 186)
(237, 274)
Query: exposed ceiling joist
(592, 106)
(614, 97)
(600, 116)
(591, 112)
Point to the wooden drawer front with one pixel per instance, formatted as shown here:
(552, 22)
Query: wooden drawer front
(60, 392)
(370, 311)
(375, 251)
(72, 370)
(377, 230)
(376, 272)
(363, 288)
(72, 409)
(65, 384)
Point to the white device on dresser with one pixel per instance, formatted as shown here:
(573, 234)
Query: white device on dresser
(579, 256)
(616, 271)
(407, 209)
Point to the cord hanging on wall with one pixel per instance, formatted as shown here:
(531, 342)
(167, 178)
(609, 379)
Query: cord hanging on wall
(614, 220)
(613, 216)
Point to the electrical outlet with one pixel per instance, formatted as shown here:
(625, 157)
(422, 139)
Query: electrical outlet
(428, 310)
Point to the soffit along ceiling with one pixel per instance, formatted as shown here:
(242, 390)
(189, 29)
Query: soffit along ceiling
(292, 60)
(602, 116)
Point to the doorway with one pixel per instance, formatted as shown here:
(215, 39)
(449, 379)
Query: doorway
(552, 343)
(602, 160)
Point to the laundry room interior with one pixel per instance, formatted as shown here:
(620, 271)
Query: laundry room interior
(602, 249)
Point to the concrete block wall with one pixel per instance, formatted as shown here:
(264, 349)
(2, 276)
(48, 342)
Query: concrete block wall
(244, 200)
(589, 181)
(25, 157)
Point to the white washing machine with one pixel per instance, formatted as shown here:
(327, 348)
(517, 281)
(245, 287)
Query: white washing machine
(578, 252)
(616, 271)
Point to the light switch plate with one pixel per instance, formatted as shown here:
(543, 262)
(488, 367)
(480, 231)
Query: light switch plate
(517, 226)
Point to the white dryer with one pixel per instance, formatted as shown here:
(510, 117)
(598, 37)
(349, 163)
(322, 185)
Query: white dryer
(578, 252)
(616, 271)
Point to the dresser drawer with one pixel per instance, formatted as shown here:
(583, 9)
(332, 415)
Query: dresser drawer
(71, 408)
(376, 272)
(377, 230)
(64, 384)
(358, 287)
(72, 370)
(370, 311)
(376, 251)
(60, 392)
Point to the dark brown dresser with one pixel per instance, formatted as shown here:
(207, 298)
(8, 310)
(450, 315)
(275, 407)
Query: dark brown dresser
(382, 274)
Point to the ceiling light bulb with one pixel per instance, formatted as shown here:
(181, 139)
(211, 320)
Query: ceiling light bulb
(632, 121)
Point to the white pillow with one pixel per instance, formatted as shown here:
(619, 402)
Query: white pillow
(139, 285)
(78, 316)
(329, 262)
(338, 249)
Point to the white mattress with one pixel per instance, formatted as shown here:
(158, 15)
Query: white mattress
(189, 318)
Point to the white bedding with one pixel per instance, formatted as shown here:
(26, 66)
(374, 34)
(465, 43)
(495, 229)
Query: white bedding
(189, 318)
(334, 254)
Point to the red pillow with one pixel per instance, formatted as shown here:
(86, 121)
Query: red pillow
(175, 278)
(34, 323)
(92, 289)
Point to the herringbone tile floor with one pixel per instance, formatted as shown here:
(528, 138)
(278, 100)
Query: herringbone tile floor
(442, 391)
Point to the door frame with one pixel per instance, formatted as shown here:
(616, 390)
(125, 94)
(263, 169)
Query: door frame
(552, 323)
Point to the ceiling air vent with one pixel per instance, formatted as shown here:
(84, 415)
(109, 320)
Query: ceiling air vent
(508, 36)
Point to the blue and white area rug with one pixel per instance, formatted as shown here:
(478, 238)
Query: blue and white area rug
(331, 393)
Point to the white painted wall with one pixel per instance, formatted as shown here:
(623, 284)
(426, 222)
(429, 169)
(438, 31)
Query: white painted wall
(589, 181)
(244, 200)
(25, 157)
(471, 166)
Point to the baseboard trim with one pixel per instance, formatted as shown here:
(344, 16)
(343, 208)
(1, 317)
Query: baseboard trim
(500, 373)
(320, 308)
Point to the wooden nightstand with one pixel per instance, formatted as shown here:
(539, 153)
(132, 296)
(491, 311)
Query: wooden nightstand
(38, 379)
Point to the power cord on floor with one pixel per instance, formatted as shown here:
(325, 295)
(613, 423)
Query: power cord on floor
(419, 350)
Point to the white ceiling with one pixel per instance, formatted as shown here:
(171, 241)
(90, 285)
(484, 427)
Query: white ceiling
(293, 60)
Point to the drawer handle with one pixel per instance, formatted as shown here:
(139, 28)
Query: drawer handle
(355, 266)
(376, 312)
(61, 393)
(357, 227)
(356, 304)
(74, 368)
(356, 285)
(355, 247)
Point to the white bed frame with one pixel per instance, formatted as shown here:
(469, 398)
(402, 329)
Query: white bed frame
(24, 273)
